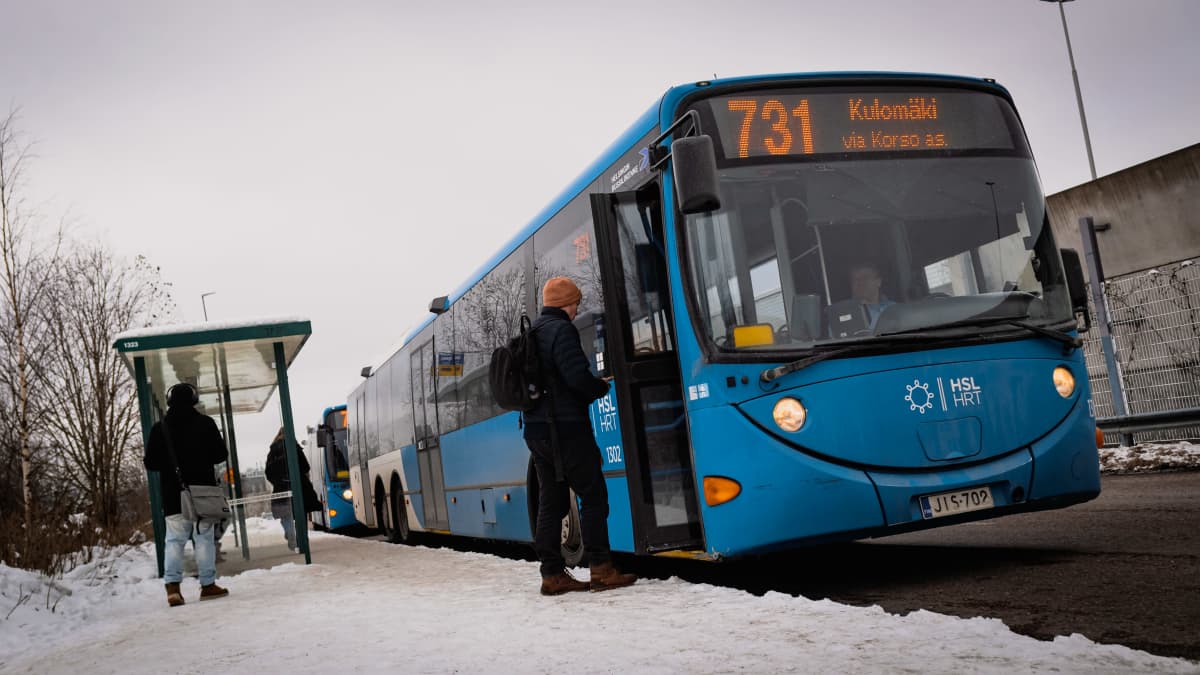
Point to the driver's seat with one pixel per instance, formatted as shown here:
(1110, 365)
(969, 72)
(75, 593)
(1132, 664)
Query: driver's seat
(847, 318)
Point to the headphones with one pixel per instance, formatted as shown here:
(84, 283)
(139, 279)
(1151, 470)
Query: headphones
(193, 396)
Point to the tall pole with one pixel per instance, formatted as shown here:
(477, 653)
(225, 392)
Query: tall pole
(299, 514)
(145, 412)
(205, 295)
(1087, 139)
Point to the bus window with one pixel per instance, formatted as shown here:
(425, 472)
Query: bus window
(336, 460)
(488, 315)
(964, 229)
(566, 246)
(643, 255)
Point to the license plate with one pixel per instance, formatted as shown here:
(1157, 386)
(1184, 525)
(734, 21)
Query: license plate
(959, 501)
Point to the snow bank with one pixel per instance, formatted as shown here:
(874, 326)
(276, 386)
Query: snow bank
(375, 607)
(1150, 457)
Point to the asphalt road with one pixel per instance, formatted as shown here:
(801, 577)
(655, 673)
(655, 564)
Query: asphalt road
(1123, 568)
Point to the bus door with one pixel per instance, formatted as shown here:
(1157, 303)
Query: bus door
(429, 452)
(360, 477)
(640, 342)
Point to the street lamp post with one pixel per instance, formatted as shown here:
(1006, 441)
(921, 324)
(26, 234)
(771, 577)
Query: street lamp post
(1087, 140)
(204, 304)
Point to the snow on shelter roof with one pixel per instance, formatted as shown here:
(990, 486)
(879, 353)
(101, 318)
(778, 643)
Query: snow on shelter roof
(212, 354)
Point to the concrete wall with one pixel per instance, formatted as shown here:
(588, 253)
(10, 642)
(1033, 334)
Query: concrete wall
(1153, 207)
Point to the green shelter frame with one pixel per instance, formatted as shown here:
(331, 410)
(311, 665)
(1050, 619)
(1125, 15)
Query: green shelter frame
(235, 367)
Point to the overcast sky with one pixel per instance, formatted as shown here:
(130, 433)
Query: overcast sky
(349, 161)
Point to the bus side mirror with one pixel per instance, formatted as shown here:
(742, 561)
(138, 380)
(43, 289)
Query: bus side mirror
(1076, 285)
(322, 437)
(696, 185)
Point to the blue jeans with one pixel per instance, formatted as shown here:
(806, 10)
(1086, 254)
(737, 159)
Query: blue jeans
(289, 530)
(179, 530)
(281, 508)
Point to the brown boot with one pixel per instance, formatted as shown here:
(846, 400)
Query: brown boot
(212, 592)
(605, 577)
(174, 597)
(562, 583)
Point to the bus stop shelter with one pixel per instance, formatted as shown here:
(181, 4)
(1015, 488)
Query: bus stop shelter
(235, 367)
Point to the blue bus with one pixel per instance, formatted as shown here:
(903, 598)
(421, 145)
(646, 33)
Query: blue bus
(833, 309)
(329, 469)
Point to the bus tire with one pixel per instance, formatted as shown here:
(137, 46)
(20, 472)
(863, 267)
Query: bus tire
(381, 514)
(398, 513)
(572, 534)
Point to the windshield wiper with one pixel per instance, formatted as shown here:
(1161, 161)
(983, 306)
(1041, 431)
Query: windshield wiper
(878, 343)
(1068, 341)
(844, 348)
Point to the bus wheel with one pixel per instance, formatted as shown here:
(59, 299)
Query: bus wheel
(399, 514)
(381, 514)
(572, 534)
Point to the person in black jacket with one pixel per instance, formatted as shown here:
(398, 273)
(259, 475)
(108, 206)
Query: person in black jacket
(566, 457)
(281, 481)
(197, 446)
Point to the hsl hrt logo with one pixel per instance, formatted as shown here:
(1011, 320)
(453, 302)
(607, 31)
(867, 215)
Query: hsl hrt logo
(964, 391)
(919, 397)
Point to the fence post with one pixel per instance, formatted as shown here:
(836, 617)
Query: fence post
(1091, 252)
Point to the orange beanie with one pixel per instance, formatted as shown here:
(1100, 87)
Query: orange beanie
(560, 292)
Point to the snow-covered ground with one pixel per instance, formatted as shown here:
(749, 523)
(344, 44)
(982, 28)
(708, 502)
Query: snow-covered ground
(370, 606)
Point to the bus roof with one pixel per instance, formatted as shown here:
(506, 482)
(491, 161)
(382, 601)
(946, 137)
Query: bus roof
(652, 119)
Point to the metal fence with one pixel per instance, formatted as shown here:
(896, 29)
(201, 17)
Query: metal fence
(1155, 322)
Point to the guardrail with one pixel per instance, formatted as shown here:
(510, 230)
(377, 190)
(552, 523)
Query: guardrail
(1126, 425)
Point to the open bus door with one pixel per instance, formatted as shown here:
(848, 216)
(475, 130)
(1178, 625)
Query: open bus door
(640, 343)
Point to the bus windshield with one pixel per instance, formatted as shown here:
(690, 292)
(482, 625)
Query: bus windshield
(336, 462)
(855, 214)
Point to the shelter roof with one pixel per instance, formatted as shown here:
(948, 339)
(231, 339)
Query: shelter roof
(212, 354)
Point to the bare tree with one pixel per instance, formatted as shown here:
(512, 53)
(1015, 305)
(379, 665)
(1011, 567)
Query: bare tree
(28, 264)
(93, 414)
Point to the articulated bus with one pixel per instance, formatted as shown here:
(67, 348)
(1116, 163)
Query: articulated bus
(330, 469)
(832, 307)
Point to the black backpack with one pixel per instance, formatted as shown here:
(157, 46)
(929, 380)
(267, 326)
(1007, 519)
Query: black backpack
(515, 371)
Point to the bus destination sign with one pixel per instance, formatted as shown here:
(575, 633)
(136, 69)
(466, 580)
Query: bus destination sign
(789, 123)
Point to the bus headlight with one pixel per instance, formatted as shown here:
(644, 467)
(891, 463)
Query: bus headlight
(1064, 382)
(347, 494)
(790, 414)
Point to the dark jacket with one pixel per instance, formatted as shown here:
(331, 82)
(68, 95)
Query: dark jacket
(569, 378)
(277, 469)
(197, 446)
